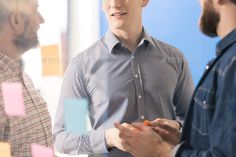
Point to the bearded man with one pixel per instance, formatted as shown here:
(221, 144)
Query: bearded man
(209, 127)
(19, 23)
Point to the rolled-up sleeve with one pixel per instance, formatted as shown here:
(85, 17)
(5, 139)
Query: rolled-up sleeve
(70, 143)
(184, 90)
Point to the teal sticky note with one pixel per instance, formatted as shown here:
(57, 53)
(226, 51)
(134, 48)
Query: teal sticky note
(75, 113)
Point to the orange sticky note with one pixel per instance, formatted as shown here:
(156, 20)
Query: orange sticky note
(5, 149)
(13, 98)
(147, 122)
(51, 60)
(41, 151)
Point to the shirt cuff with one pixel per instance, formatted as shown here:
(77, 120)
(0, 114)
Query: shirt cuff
(176, 149)
(97, 141)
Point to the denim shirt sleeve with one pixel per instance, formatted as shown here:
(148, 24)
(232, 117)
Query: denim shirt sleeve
(66, 142)
(222, 135)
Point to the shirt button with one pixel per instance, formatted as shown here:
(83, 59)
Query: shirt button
(142, 117)
(140, 96)
(204, 102)
(207, 67)
(136, 75)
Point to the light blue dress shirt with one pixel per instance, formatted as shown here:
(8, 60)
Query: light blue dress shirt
(122, 86)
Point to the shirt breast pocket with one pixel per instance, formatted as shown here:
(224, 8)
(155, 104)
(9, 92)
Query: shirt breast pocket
(204, 107)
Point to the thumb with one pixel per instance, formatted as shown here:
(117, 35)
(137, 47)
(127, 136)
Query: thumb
(117, 125)
(140, 126)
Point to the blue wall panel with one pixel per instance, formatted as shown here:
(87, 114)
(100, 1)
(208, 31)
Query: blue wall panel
(176, 22)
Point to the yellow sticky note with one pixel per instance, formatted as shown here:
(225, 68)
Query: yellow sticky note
(5, 149)
(51, 60)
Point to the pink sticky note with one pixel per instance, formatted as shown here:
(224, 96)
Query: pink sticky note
(41, 151)
(13, 98)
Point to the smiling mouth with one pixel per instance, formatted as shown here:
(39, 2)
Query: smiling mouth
(118, 14)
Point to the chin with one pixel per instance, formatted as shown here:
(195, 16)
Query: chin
(118, 26)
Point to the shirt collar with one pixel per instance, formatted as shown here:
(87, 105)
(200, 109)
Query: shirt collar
(111, 40)
(8, 63)
(147, 37)
(226, 42)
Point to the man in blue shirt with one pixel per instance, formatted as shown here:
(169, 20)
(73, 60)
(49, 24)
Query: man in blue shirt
(127, 76)
(210, 127)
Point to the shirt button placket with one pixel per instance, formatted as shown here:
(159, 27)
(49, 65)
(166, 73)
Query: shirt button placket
(138, 86)
(142, 117)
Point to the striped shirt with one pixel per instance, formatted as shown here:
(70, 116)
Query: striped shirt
(35, 127)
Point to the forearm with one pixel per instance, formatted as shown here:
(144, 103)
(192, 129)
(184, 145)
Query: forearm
(74, 144)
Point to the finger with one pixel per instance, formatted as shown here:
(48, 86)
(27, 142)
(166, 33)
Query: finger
(129, 126)
(125, 136)
(118, 126)
(168, 127)
(140, 126)
(125, 146)
(124, 130)
(132, 151)
(160, 131)
(166, 124)
(156, 121)
(128, 147)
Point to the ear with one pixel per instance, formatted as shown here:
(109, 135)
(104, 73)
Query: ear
(218, 4)
(17, 23)
(144, 3)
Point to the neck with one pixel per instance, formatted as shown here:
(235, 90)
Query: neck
(130, 38)
(12, 54)
(227, 21)
(9, 49)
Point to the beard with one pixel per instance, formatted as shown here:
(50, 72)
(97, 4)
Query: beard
(209, 20)
(23, 41)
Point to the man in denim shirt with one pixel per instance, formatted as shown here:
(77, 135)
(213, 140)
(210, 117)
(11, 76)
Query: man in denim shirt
(210, 127)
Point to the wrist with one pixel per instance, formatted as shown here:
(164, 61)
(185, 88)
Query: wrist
(108, 138)
(180, 125)
(165, 150)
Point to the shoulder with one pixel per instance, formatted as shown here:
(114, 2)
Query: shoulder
(167, 49)
(87, 57)
(93, 51)
(228, 59)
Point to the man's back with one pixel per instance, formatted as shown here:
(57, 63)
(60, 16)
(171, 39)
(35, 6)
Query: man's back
(35, 126)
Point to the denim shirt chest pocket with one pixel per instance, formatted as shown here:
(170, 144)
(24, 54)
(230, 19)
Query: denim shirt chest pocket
(204, 107)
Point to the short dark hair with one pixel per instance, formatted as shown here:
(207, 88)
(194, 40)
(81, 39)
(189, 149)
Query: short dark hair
(234, 1)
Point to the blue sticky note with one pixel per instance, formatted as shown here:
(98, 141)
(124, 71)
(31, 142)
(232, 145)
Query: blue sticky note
(75, 113)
